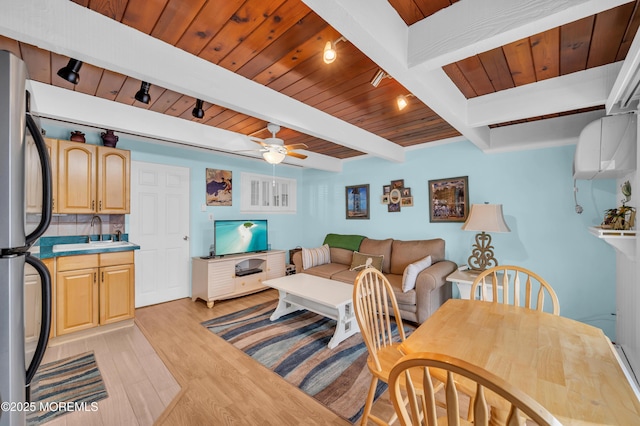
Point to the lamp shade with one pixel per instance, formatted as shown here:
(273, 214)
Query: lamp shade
(487, 218)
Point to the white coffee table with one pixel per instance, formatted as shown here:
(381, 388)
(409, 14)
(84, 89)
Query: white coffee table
(329, 298)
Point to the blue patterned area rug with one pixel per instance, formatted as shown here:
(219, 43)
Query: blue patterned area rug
(70, 384)
(295, 347)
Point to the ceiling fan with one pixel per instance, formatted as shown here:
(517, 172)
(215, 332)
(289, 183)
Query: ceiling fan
(274, 150)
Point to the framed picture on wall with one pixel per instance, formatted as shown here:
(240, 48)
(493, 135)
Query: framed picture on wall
(449, 199)
(219, 187)
(357, 201)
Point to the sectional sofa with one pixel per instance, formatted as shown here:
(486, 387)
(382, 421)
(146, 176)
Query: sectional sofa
(416, 304)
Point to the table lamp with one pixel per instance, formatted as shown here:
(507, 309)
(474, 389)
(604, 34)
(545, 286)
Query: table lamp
(484, 218)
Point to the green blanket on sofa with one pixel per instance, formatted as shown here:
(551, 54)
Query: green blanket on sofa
(349, 242)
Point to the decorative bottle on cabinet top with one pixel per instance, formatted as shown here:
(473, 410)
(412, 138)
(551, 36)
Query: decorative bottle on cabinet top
(109, 139)
(77, 136)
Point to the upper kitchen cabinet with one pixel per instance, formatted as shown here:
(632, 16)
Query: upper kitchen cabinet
(92, 179)
(114, 168)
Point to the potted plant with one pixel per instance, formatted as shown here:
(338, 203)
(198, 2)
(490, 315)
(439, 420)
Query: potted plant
(623, 217)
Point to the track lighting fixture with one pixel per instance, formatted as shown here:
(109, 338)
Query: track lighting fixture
(403, 100)
(378, 77)
(329, 53)
(198, 112)
(70, 72)
(143, 93)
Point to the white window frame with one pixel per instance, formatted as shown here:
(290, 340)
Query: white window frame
(266, 194)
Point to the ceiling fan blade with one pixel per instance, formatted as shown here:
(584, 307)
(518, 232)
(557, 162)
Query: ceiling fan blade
(295, 154)
(258, 141)
(296, 146)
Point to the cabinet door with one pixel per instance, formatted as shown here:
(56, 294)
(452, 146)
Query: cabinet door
(52, 148)
(275, 265)
(113, 180)
(32, 309)
(76, 177)
(221, 278)
(116, 293)
(77, 300)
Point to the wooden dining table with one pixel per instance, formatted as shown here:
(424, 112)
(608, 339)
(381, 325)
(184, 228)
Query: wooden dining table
(569, 367)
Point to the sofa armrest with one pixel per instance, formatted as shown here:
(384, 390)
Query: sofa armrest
(431, 291)
(297, 260)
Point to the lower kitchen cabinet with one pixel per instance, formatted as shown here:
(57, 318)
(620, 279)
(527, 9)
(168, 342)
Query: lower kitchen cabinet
(93, 289)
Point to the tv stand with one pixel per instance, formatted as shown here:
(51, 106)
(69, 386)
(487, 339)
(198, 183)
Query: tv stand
(234, 275)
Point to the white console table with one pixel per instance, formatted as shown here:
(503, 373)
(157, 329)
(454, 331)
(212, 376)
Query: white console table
(220, 278)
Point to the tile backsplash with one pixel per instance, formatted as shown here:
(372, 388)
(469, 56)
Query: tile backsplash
(80, 224)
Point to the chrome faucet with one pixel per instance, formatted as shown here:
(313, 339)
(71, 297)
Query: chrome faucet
(93, 219)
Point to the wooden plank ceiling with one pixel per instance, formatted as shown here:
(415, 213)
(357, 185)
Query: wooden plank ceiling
(278, 43)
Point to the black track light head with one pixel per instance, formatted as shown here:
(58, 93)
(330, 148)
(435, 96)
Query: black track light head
(198, 112)
(70, 72)
(143, 93)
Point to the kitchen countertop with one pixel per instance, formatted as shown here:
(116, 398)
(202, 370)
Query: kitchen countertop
(45, 249)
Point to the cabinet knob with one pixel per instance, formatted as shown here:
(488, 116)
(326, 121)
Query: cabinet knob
(186, 238)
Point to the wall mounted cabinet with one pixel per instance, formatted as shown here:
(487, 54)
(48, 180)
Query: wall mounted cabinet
(89, 178)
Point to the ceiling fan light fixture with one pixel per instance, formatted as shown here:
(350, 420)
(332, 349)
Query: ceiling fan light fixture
(403, 101)
(329, 54)
(198, 112)
(273, 157)
(143, 94)
(70, 72)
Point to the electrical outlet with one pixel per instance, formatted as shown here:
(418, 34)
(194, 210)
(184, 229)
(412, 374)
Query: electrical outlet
(203, 208)
(210, 217)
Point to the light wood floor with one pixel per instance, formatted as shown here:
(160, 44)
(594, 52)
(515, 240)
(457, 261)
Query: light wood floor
(139, 385)
(219, 384)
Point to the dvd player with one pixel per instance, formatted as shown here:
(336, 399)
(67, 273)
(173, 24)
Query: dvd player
(243, 272)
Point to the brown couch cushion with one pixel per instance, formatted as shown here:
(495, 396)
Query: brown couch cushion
(408, 298)
(345, 276)
(340, 255)
(382, 247)
(327, 270)
(406, 252)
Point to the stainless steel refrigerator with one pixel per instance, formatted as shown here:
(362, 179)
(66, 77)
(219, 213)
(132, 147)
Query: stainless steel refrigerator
(18, 132)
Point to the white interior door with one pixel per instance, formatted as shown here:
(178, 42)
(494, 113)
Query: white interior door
(159, 223)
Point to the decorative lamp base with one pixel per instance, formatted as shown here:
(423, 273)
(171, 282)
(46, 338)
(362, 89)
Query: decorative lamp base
(482, 254)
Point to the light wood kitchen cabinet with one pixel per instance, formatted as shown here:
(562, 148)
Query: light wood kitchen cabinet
(94, 289)
(76, 293)
(92, 179)
(117, 276)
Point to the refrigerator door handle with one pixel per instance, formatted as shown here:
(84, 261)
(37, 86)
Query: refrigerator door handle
(45, 325)
(46, 182)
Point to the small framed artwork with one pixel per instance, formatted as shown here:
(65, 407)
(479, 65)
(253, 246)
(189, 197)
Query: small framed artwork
(386, 189)
(406, 201)
(384, 199)
(393, 207)
(449, 199)
(219, 187)
(357, 201)
(397, 184)
(406, 192)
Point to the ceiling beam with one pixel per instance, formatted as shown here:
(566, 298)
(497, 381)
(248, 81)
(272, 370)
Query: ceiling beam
(375, 28)
(54, 25)
(541, 134)
(626, 89)
(74, 107)
(565, 93)
(467, 28)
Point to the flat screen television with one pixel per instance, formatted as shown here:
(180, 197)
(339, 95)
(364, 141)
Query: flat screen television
(240, 236)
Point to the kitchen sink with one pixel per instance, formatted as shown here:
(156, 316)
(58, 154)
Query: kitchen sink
(94, 245)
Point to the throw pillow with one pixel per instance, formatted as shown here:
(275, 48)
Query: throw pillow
(359, 261)
(411, 273)
(315, 256)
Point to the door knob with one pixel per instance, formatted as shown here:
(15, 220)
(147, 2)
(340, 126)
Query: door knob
(186, 238)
